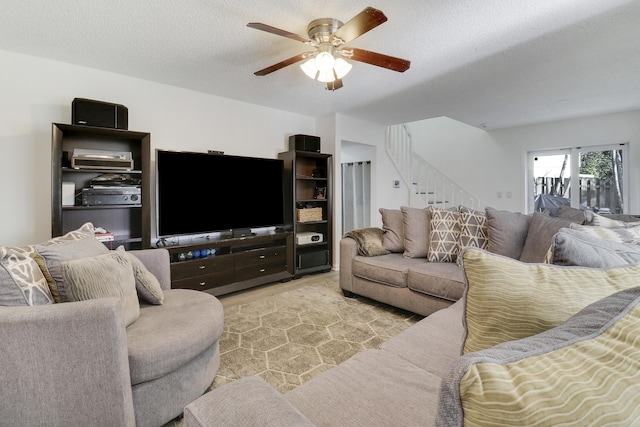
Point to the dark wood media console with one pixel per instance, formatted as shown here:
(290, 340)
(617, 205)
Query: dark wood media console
(238, 263)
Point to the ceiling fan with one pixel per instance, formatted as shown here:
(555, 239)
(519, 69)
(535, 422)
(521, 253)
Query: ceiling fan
(329, 36)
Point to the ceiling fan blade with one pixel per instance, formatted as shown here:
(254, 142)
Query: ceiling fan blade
(380, 60)
(281, 64)
(334, 85)
(366, 20)
(279, 32)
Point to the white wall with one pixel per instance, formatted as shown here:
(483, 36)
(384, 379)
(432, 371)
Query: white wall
(490, 162)
(36, 92)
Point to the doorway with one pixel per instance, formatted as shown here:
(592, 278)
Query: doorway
(356, 195)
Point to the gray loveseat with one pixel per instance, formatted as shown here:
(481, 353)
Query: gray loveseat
(77, 364)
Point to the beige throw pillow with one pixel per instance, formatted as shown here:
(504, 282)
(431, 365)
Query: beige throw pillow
(108, 275)
(508, 299)
(416, 232)
(147, 284)
(444, 235)
(393, 227)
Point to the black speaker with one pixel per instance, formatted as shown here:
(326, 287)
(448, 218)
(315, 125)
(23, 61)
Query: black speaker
(313, 259)
(89, 112)
(304, 143)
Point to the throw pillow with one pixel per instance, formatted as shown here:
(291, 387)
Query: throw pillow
(473, 228)
(578, 216)
(50, 257)
(393, 226)
(107, 275)
(603, 221)
(444, 235)
(507, 232)
(416, 232)
(541, 230)
(574, 247)
(507, 299)
(618, 234)
(584, 372)
(21, 280)
(147, 284)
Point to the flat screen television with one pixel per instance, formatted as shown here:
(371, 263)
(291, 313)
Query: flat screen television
(199, 193)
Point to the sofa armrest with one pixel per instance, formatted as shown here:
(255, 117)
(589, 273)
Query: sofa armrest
(348, 251)
(65, 364)
(158, 263)
(249, 401)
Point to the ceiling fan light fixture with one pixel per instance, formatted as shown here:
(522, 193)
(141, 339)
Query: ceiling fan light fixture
(309, 68)
(326, 76)
(341, 67)
(324, 61)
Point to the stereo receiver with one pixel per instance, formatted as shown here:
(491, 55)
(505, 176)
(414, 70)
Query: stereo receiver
(111, 196)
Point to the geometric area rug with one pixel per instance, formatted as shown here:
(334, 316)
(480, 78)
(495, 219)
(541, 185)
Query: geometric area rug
(289, 337)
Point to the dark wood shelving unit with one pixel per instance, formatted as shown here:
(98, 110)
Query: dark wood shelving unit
(305, 173)
(237, 264)
(130, 223)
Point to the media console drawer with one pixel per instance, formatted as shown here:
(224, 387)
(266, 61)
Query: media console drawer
(199, 267)
(206, 281)
(261, 256)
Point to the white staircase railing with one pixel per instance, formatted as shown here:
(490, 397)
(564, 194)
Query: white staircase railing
(427, 185)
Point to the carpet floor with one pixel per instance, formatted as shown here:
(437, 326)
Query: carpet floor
(288, 337)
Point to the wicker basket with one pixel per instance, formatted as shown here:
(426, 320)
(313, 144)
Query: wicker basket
(310, 214)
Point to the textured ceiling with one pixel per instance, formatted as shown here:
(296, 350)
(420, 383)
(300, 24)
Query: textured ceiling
(490, 63)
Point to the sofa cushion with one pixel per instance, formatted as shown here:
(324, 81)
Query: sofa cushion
(539, 236)
(147, 285)
(473, 228)
(393, 227)
(507, 299)
(49, 258)
(107, 275)
(166, 337)
(584, 372)
(21, 279)
(507, 232)
(617, 234)
(390, 269)
(416, 232)
(444, 235)
(373, 388)
(439, 279)
(574, 247)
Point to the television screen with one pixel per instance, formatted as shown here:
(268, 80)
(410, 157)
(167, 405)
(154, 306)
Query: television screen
(202, 193)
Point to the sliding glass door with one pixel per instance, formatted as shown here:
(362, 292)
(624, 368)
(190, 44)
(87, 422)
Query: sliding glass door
(583, 177)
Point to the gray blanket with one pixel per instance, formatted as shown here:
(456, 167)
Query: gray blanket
(368, 240)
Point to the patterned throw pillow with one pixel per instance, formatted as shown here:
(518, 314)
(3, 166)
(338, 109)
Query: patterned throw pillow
(507, 299)
(444, 235)
(603, 221)
(584, 372)
(22, 283)
(473, 228)
(618, 234)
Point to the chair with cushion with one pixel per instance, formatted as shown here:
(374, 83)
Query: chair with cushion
(106, 354)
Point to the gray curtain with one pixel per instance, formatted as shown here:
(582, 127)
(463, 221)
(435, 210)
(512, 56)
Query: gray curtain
(356, 195)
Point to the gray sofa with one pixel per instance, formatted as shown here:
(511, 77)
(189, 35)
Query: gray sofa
(76, 364)
(405, 273)
(540, 363)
